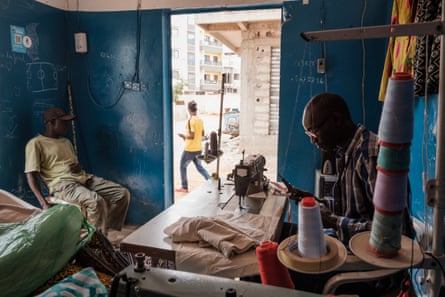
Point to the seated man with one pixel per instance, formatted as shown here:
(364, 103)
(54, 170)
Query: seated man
(327, 122)
(51, 158)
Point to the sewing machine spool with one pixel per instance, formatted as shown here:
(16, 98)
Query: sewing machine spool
(334, 258)
(408, 255)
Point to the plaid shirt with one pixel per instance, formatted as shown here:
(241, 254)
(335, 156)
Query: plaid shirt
(354, 189)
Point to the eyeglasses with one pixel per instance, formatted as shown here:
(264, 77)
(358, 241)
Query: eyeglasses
(313, 132)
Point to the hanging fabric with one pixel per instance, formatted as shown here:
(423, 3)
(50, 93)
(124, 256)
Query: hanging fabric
(401, 49)
(427, 58)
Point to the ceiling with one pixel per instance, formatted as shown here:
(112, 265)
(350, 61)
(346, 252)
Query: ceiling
(116, 5)
(227, 27)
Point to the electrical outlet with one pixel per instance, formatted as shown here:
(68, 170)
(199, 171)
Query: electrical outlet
(134, 86)
(128, 85)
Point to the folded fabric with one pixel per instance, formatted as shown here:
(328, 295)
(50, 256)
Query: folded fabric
(218, 232)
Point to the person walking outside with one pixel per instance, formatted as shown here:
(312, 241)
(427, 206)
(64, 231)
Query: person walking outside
(194, 128)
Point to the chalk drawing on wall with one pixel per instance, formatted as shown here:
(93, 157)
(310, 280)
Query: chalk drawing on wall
(9, 127)
(41, 77)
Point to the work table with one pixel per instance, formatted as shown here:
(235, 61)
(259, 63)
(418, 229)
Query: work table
(206, 201)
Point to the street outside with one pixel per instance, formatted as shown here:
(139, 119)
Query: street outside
(232, 154)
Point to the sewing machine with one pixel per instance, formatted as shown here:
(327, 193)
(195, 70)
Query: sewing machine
(137, 280)
(251, 186)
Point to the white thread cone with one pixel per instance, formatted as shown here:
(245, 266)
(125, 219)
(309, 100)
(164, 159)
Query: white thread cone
(311, 241)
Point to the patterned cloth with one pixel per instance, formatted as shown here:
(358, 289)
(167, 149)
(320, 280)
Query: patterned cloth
(427, 59)
(84, 283)
(401, 49)
(354, 189)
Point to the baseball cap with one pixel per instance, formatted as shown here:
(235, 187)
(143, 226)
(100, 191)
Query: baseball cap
(57, 113)
(192, 105)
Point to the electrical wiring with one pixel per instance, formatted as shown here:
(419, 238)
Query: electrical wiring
(136, 75)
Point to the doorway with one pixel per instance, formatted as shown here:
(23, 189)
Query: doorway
(245, 46)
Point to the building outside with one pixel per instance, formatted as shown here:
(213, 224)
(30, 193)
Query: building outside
(199, 60)
(244, 44)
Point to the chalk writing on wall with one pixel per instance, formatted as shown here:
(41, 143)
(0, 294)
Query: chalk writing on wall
(124, 55)
(308, 79)
(9, 119)
(307, 73)
(9, 59)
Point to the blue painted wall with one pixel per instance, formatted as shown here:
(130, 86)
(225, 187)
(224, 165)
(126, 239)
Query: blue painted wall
(121, 135)
(345, 71)
(121, 132)
(423, 153)
(31, 80)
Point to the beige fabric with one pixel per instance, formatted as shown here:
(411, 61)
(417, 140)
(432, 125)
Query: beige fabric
(13, 209)
(190, 256)
(224, 237)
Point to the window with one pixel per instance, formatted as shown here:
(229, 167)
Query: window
(190, 37)
(191, 58)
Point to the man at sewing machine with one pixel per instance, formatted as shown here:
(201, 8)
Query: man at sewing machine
(327, 122)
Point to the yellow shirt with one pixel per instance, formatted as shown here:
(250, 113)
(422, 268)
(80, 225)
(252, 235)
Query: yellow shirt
(196, 125)
(51, 157)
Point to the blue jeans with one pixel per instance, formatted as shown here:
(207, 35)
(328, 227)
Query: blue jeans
(186, 158)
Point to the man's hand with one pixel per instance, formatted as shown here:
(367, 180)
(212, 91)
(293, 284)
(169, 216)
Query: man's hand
(329, 220)
(45, 205)
(297, 194)
(76, 168)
